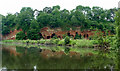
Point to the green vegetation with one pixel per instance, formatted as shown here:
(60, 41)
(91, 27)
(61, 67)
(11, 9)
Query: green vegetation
(86, 18)
(117, 21)
(21, 35)
(63, 42)
(85, 43)
(82, 16)
(67, 40)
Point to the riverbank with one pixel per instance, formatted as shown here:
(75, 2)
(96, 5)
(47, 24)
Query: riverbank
(56, 42)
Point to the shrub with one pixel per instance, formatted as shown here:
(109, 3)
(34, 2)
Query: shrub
(33, 34)
(94, 41)
(50, 41)
(84, 43)
(61, 42)
(77, 36)
(42, 41)
(21, 35)
(72, 42)
(56, 41)
(118, 36)
(112, 41)
(67, 40)
(64, 36)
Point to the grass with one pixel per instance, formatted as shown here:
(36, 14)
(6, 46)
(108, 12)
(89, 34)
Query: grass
(84, 43)
(76, 43)
(61, 42)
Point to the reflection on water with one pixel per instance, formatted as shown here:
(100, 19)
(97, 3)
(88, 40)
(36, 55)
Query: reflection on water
(14, 57)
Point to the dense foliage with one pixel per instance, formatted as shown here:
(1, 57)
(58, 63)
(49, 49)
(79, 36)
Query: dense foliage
(117, 21)
(21, 35)
(84, 17)
(67, 40)
(33, 34)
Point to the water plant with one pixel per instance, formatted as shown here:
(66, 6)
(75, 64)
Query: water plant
(67, 40)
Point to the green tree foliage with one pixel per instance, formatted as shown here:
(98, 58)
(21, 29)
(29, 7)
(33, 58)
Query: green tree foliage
(24, 18)
(10, 20)
(82, 16)
(33, 34)
(67, 40)
(5, 30)
(8, 23)
(21, 35)
(117, 21)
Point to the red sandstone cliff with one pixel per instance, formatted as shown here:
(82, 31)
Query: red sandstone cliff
(48, 33)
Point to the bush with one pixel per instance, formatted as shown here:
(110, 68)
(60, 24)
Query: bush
(67, 40)
(112, 41)
(61, 42)
(118, 36)
(33, 34)
(55, 41)
(64, 36)
(5, 30)
(72, 42)
(84, 43)
(42, 41)
(50, 41)
(77, 36)
(21, 35)
(94, 41)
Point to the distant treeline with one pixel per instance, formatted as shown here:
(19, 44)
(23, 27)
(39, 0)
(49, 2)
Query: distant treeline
(31, 21)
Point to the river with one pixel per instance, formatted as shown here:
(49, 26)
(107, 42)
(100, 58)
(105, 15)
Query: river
(56, 57)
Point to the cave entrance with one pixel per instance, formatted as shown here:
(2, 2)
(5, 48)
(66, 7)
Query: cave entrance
(87, 35)
(48, 37)
(84, 35)
(53, 35)
(68, 34)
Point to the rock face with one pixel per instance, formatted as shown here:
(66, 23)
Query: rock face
(12, 35)
(48, 33)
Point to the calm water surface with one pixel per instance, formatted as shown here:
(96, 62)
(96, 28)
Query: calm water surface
(43, 57)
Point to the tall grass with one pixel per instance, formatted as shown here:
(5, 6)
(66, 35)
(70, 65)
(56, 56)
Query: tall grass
(77, 43)
(84, 43)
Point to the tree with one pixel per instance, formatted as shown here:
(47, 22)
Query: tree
(10, 20)
(5, 30)
(33, 34)
(74, 21)
(35, 25)
(21, 36)
(25, 17)
(79, 8)
(56, 7)
(47, 10)
(117, 21)
(82, 16)
(44, 19)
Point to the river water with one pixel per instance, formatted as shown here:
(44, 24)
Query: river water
(56, 57)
